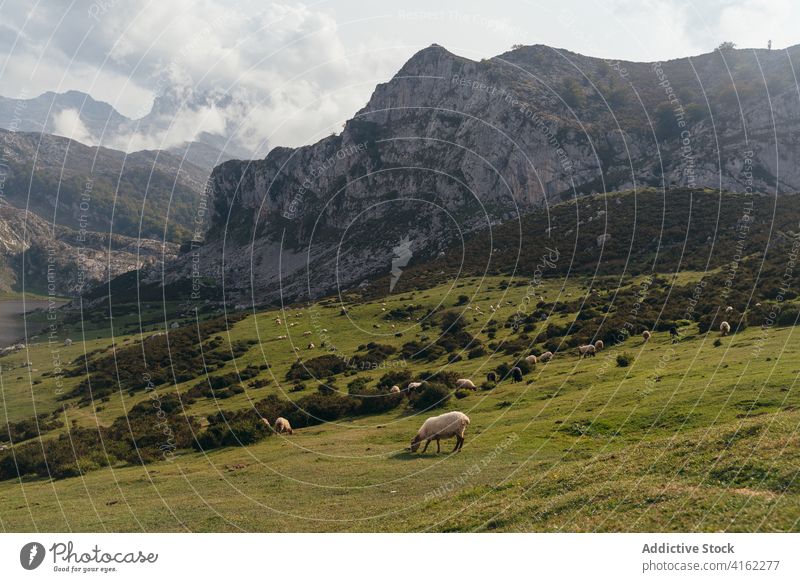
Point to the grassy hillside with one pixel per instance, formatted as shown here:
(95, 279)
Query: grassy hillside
(151, 427)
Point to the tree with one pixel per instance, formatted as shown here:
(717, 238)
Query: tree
(726, 46)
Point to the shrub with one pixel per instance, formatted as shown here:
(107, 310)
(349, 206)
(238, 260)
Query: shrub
(399, 377)
(431, 395)
(319, 367)
(488, 386)
(624, 360)
(372, 401)
(318, 408)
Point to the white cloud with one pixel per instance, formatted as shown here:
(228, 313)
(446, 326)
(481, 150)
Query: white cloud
(67, 123)
(285, 73)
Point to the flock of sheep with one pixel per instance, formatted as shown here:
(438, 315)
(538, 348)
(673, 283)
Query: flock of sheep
(455, 423)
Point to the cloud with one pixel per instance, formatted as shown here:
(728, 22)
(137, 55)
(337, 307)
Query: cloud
(67, 123)
(248, 72)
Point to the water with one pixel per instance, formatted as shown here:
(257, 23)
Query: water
(12, 324)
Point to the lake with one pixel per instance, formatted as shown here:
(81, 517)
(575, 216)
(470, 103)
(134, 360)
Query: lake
(12, 325)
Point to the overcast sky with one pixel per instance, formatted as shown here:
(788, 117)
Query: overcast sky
(293, 72)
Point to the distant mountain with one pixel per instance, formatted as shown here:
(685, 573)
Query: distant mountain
(151, 195)
(35, 254)
(106, 126)
(450, 146)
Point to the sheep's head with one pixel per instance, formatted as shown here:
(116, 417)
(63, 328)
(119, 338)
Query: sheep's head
(415, 443)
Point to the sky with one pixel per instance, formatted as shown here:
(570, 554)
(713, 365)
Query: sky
(287, 73)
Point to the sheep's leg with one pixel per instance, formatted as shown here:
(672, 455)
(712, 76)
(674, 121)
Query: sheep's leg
(427, 442)
(438, 447)
(459, 440)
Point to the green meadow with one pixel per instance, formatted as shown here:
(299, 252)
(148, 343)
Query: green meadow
(696, 435)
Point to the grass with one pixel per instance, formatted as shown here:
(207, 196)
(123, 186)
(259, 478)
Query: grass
(688, 437)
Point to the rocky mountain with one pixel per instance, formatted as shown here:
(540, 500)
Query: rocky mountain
(150, 195)
(449, 146)
(34, 255)
(106, 126)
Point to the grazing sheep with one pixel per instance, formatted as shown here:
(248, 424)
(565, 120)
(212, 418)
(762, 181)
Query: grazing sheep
(724, 328)
(413, 386)
(282, 426)
(306, 333)
(67, 342)
(394, 390)
(311, 346)
(587, 351)
(277, 321)
(465, 383)
(491, 377)
(266, 422)
(646, 335)
(532, 360)
(444, 426)
(546, 357)
(516, 374)
(728, 309)
(599, 345)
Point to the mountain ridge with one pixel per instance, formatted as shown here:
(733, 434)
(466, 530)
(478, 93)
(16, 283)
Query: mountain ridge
(449, 145)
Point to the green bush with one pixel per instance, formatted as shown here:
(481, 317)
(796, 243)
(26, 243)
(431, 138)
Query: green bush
(431, 395)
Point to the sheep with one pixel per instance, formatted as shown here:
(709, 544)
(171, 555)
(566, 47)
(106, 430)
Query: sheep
(394, 390)
(646, 335)
(444, 426)
(491, 377)
(282, 426)
(728, 309)
(546, 357)
(516, 374)
(532, 360)
(67, 342)
(724, 328)
(413, 386)
(277, 321)
(266, 423)
(587, 351)
(465, 383)
(311, 346)
(599, 345)
(306, 333)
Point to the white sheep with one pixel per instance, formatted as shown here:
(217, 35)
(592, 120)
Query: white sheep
(546, 357)
(728, 309)
(311, 346)
(282, 426)
(394, 390)
(532, 360)
(266, 423)
(306, 333)
(599, 345)
(724, 328)
(413, 386)
(646, 335)
(465, 383)
(587, 351)
(444, 426)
